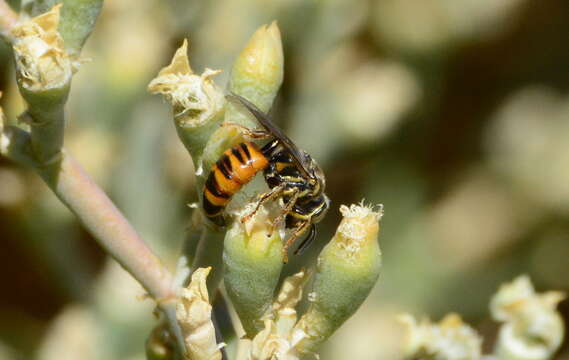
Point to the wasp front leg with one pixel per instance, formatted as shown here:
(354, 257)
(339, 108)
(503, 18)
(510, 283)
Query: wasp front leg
(269, 195)
(247, 132)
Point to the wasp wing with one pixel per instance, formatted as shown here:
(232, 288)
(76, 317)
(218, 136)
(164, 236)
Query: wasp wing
(273, 129)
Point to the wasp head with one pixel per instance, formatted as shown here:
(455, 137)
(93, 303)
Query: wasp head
(316, 179)
(322, 210)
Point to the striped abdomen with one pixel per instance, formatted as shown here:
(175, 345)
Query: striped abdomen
(235, 168)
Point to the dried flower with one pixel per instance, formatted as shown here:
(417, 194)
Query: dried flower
(194, 315)
(533, 329)
(41, 61)
(451, 339)
(197, 102)
(278, 339)
(347, 270)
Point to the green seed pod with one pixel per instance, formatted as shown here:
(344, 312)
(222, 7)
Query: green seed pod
(347, 270)
(253, 262)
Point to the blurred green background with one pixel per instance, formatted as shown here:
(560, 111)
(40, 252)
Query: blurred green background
(452, 113)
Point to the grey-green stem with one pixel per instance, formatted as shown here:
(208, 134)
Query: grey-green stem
(67, 179)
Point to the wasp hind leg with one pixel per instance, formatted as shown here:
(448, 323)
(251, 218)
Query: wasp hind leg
(247, 132)
(295, 235)
(269, 195)
(284, 212)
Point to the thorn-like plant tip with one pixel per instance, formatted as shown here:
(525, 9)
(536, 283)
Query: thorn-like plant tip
(532, 327)
(194, 316)
(451, 339)
(347, 270)
(41, 61)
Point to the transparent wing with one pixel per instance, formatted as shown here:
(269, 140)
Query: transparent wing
(273, 129)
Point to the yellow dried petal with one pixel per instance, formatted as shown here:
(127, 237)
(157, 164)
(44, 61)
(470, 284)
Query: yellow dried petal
(284, 311)
(180, 63)
(193, 312)
(291, 293)
(268, 344)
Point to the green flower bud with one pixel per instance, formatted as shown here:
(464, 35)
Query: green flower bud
(347, 270)
(253, 262)
(257, 76)
(258, 71)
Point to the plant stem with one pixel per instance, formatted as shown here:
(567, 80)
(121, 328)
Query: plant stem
(71, 184)
(99, 215)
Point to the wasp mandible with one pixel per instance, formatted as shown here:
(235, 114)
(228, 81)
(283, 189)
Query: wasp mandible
(290, 173)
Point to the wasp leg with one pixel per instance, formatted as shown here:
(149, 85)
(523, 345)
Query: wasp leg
(295, 235)
(250, 133)
(269, 195)
(284, 212)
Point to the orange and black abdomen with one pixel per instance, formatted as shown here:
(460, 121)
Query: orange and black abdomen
(235, 168)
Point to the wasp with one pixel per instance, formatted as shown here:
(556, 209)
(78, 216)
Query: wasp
(290, 173)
